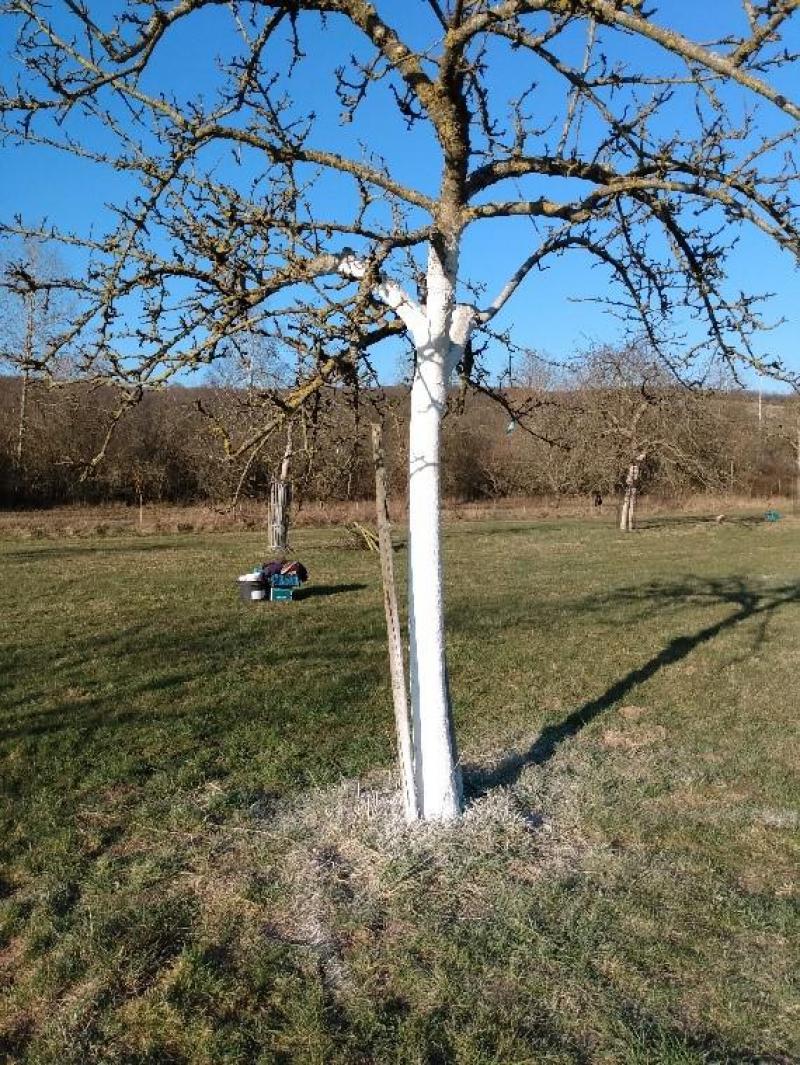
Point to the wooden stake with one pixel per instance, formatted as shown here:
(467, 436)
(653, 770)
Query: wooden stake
(396, 664)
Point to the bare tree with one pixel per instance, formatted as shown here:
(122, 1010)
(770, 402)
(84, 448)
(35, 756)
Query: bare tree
(248, 380)
(627, 405)
(781, 433)
(628, 153)
(34, 305)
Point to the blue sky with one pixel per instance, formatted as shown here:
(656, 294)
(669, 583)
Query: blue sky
(546, 313)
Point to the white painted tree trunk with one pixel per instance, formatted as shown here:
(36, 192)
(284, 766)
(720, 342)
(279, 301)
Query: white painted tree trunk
(623, 516)
(437, 771)
(436, 762)
(627, 521)
(440, 331)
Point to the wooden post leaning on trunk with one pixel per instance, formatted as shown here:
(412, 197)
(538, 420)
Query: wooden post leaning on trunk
(396, 664)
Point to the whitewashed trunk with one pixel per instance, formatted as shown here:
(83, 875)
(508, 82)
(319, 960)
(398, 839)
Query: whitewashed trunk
(437, 772)
(436, 769)
(440, 331)
(623, 516)
(627, 522)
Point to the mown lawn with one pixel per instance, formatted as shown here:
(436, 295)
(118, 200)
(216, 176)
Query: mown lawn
(201, 855)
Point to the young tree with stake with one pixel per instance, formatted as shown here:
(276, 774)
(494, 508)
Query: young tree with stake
(599, 121)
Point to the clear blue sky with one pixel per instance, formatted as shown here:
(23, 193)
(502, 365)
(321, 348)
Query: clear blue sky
(36, 182)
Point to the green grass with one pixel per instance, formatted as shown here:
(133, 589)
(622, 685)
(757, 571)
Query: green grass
(201, 855)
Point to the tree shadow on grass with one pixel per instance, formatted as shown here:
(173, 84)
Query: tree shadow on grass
(321, 590)
(665, 1041)
(57, 551)
(88, 710)
(674, 521)
(749, 602)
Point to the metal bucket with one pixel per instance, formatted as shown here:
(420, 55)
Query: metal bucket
(252, 591)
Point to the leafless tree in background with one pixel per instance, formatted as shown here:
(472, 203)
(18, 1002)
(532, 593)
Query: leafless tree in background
(35, 305)
(638, 415)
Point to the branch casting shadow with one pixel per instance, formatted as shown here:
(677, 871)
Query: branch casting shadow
(319, 590)
(749, 603)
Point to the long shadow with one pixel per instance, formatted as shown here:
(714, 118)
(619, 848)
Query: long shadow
(92, 716)
(746, 521)
(59, 551)
(320, 590)
(749, 602)
(199, 645)
(75, 713)
(199, 653)
(654, 1035)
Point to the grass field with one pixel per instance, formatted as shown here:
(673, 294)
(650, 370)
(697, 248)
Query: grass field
(201, 851)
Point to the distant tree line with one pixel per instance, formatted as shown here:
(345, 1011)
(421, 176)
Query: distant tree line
(579, 436)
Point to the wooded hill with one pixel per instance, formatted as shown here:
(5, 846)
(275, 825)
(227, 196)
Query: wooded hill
(170, 446)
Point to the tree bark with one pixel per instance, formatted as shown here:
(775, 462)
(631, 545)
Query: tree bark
(396, 664)
(30, 329)
(437, 777)
(280, 499)
(23, 415)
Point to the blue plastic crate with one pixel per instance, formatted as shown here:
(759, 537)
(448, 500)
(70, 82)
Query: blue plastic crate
(281, 595)
(285, 580)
